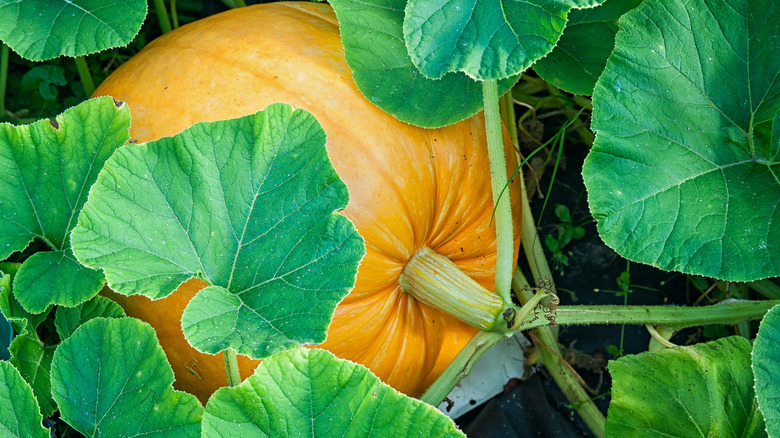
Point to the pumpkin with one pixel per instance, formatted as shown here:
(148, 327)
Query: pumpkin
(409, 187)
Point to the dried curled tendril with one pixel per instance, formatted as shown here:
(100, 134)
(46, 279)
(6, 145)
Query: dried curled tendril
(548, 311)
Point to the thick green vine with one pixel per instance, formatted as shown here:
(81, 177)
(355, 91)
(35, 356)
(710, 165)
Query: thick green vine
(503, 211)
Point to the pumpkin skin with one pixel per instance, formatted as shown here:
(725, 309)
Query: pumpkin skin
(409, 187)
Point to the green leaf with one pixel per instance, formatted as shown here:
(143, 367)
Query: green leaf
(562, 212)
(44, 78)
(111, 378)
(552, 243)
(58, 273)
(30, 356)
(247, 205)
(372, 35)
(45, 29)
(68, 319)
(579, 58)
(33, 360)
(9, 268)
(565, 233)
(48, 168)
(9, 305)
(19, 415)
(685, 171)
(486, 39)
(766, 367)
(311, 391)
(702, 390)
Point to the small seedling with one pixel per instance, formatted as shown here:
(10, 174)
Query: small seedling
(624, 283)
(45, 79)
(566, 231)
(615, 351)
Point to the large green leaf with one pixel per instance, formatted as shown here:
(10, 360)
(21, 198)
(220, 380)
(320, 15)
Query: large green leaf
(486, 39)
(27, 352)
(579, 58)
(310, 392)
(33, 360)
(19, 415)
(68, 319)
(110, 378)
(19, 318)
(766, 367)
(703, 390)
(685, 170)
(48, 168)
(45, 29)
(247, 205)
(55, 277)
(372, 35)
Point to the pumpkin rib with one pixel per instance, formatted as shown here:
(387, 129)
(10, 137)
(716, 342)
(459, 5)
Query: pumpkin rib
(382, 169)
(401, 250)
(406, 320)
(368, 290)
(451, 205)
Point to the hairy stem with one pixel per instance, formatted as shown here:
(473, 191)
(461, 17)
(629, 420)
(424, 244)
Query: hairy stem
(234, 3)
(460, 366)
(730, 312)
(174, 15)
(532, 243)
(504, 231)
(85, 75)
(508, 116)
(766, 288)
(162, 15)
(548, 336)
(231, 367)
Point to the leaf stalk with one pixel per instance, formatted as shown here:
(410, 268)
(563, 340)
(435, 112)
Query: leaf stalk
(85, 75)
(729, 312)
(460, 366)
(504, 231)
(766, 288)
(548, 336)
(508, 116)
(174, 15)
(231, 367)
(162, 16)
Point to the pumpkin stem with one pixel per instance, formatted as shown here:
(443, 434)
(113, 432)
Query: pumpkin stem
(438, 282)
(231, 367)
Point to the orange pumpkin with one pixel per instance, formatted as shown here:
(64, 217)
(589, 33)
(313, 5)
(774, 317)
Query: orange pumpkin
(409, 187)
